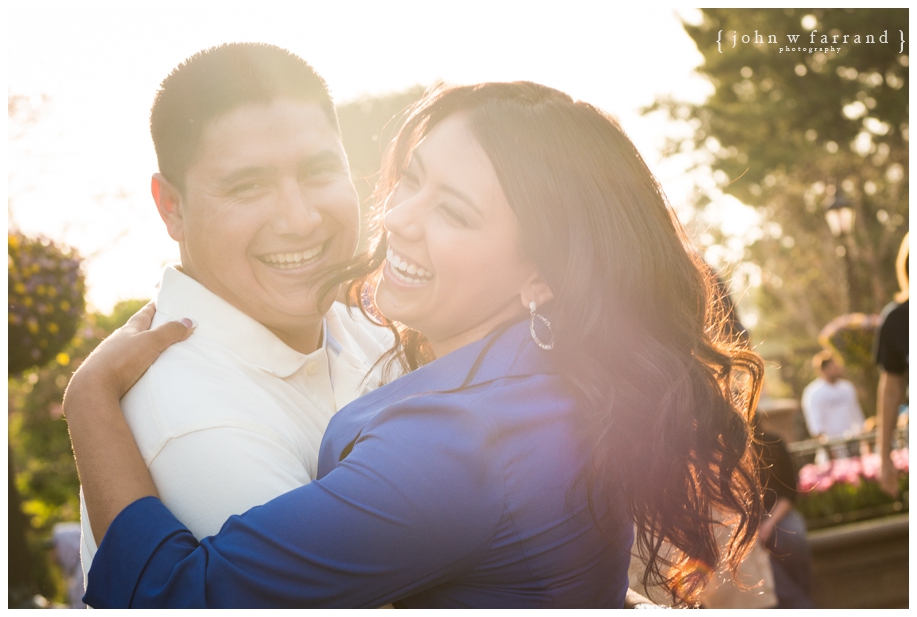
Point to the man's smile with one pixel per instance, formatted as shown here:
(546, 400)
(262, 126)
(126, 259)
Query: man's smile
(287, 261)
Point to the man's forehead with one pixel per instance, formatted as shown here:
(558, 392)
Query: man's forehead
(309, 114)
(274, 129)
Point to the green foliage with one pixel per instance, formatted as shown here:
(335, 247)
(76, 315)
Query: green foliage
(845, 502)
(46, 287)
(45, 472)
(852, 337)
(788, 133)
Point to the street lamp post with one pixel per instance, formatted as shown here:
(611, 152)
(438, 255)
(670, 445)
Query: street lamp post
(841, 216)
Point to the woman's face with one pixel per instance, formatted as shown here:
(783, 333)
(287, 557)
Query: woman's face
(454, 270)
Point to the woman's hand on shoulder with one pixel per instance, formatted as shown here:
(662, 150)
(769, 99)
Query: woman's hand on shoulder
(122, 358)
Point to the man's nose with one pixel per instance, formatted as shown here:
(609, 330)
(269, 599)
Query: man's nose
(296, 212)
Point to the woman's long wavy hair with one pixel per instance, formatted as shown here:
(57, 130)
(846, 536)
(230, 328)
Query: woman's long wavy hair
(639, 327)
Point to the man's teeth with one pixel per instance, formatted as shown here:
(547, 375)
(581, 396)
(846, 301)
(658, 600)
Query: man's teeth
(406, 271)
(285, 261)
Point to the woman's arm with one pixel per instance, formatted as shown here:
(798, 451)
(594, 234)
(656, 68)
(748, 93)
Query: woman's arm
(416, 503)
(111, 470)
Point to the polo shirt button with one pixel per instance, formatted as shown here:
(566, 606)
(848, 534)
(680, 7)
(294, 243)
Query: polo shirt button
(312, 368)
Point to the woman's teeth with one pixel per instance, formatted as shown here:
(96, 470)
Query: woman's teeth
(285, 261)
(406, 271)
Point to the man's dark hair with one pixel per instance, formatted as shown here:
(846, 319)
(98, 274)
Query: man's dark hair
(822, 359)
(215, 81)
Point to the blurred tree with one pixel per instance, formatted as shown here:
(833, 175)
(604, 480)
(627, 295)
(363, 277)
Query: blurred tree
(46, 476)
(45, 302)
(45, 291)
(368, 124)
(789, 132)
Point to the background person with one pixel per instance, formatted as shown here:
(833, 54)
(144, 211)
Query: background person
(65, 543)
(893, 360)
(783, 529)
(571, 382)
(830, 404)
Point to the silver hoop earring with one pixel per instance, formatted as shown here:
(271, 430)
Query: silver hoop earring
(547, 324)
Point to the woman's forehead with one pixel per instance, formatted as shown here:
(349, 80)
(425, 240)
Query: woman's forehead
(452, 153)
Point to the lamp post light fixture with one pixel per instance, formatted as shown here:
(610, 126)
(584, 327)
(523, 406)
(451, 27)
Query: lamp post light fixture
(840, 216)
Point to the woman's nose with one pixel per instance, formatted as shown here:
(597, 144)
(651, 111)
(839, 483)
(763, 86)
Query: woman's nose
(404, 218)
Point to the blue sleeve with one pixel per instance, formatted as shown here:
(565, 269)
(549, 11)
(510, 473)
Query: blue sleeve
(416, 503)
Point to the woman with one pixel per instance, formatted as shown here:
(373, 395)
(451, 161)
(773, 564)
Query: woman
(570, 382)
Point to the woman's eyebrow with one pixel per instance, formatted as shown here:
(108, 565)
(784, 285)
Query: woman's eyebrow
(449, 188)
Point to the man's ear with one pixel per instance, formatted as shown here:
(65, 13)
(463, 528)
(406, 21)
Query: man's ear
(168, 202)
(535, 289)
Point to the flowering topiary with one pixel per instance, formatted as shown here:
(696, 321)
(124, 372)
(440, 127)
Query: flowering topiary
(852, 336)
(45, 287)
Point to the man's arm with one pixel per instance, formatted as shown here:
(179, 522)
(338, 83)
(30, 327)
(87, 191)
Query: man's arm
(206, 476)
(890, 396)
(99, 435)
(856, 417)
(204, 470)
(216, 442)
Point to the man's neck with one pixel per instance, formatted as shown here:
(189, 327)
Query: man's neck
(304, 340)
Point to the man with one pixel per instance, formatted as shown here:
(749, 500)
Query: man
(255, 187)
(830, 404)
(893, 360)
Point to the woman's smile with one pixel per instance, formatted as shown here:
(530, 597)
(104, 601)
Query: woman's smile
(406, 271)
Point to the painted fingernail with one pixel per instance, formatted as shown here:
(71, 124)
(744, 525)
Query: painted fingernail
(188, 323)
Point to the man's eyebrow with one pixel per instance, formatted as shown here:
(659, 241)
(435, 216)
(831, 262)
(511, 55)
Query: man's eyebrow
(321, 158)
(254, 171)
(245, 173)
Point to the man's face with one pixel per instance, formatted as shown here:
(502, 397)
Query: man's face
(268, 204)
(832, 371)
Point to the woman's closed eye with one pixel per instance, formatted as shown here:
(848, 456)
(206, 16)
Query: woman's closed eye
(453, 214)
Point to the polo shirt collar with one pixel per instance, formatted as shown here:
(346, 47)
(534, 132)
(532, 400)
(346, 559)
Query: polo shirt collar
(217, 320)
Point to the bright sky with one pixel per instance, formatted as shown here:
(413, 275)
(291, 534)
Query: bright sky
(81, 172)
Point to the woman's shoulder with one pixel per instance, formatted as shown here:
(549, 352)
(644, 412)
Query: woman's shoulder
(474, 418)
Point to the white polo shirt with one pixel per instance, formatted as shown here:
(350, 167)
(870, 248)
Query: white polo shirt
(832, 408)
(232, 417)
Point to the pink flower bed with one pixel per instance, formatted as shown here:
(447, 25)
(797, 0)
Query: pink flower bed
(822, 476)
(832, 490)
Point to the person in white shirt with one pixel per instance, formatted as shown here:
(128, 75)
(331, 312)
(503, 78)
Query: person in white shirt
(830, 404)
(255, 187)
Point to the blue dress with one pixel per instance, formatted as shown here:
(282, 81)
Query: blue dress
(431, 493)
